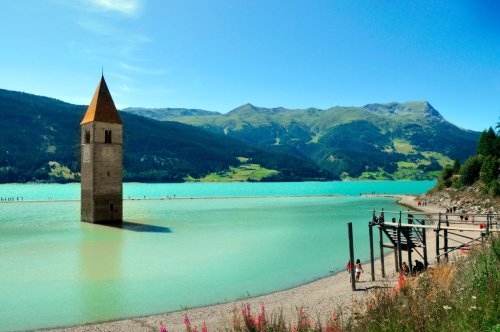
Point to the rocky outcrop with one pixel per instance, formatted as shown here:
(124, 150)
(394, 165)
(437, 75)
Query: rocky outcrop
(469, 200)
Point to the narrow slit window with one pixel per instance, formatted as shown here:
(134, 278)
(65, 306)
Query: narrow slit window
(87, 136)
(107, 136)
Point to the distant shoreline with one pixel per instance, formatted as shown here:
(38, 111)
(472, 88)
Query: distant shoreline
(205, 198)
(136, 182)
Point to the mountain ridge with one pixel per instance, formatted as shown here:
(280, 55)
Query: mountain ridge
(393, 140)
(411, 132)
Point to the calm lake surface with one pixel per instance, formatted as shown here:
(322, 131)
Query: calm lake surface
(173, 253)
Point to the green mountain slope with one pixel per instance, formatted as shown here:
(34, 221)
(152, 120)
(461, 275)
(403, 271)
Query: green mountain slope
(40, 141)
(393, 140)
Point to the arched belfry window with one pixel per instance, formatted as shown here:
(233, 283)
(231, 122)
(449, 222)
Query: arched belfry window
(87, 136)
(107, 136)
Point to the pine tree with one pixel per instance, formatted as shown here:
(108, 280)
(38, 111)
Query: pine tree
(470, 170)
(487, 143)
(456, 166)
(489, 169)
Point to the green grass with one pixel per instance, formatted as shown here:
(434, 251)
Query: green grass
(316, 137)
(245, 172)
(406, 164)
(243, 159)
(441, 159)
(403, 146)
(58, 171)
(406, 171)
(380, 175)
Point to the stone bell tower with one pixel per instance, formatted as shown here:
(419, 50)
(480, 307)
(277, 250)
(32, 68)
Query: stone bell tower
(101, 160)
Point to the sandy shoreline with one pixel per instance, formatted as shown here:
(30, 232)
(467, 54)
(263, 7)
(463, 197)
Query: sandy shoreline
(318, 298)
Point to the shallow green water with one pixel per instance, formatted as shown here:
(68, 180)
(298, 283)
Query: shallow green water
(57, 271)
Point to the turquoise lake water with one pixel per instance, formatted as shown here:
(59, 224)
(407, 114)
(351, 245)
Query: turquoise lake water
(57, 271)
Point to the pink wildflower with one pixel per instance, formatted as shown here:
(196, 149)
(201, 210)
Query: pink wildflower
(399, 285)
(204, 328)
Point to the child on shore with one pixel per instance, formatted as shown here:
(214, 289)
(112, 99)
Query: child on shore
(358, 269)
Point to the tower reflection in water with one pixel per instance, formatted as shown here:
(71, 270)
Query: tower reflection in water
(102, 286)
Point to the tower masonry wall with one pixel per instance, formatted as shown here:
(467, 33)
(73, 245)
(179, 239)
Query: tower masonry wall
(101, 165)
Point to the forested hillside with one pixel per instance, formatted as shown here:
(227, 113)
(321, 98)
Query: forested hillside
(40, 142)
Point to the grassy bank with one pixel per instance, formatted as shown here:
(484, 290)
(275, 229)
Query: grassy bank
(460, 296)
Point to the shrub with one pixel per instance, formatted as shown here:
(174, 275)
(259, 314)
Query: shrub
(445, 177)
(495, 188)
(489, 169)
(470, 170)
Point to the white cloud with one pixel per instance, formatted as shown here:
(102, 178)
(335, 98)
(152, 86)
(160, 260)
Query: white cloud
(142, 70)
(128, 7)
(96, 26)
(121, 77)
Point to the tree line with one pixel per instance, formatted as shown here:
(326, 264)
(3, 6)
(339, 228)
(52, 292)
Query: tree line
(483, 167)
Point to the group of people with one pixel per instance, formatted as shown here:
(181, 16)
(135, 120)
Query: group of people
(463, 215)
(357, 269)
(379, 220)
(11, 199)
(419, 267)
(422, 203)
(451, 209)
(405, 269)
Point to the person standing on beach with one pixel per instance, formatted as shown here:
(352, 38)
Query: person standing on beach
(162, 327)
(358, 269)
(405, 269)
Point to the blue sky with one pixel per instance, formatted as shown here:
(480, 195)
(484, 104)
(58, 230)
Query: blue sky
(218, 55)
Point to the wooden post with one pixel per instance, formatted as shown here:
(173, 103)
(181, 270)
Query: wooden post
(424, 240)
(488, 223)
(437, 239)
(400, 258)
(395, 251)
(351, 255)
(372, 260)
(445, 241)
(382, 251)
(409, 248)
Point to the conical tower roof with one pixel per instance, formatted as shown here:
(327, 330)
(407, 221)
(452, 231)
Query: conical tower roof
(102, 108)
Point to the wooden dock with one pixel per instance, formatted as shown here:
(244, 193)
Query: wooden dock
(405, 232)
